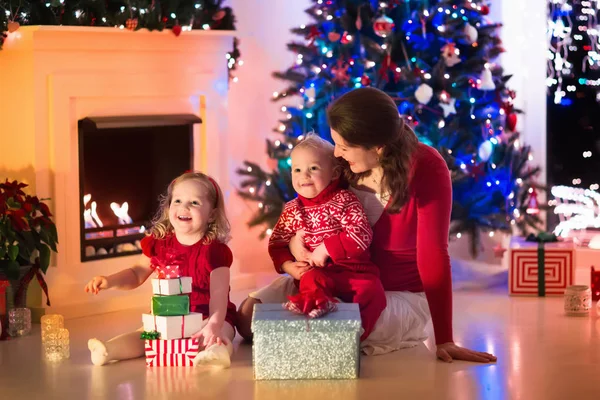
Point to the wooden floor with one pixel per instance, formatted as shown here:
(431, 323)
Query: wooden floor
(542, 355)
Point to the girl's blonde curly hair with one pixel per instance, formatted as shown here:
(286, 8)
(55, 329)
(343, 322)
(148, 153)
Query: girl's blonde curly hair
(218, 227)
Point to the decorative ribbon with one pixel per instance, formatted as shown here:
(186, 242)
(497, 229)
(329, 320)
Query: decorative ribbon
(33, 271)
(313, 304)
(169, 259)
(153, 335)
(542, 238)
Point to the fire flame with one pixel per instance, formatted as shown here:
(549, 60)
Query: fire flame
(121, 213)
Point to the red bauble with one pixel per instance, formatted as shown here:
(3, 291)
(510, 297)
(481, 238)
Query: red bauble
(176, 30)
(533, 206)
(511, 122)
(383, 26)
(365, 80)
(485, 10)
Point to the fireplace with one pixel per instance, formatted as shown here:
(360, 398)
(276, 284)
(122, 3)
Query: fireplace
(125, 165)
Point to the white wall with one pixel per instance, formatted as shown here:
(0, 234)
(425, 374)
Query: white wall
(263, 27)
(524, 38)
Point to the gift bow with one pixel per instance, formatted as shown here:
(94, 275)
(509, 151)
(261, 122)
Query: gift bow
(162, 265)
(312, 304)
(152, 335)
(542, 237)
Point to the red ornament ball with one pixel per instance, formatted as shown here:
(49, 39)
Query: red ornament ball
(485, 10)
(383, 26)
(365, 80)
(511, 122)
(176, 30)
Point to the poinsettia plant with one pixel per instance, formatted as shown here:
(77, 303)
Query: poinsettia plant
(27, 234)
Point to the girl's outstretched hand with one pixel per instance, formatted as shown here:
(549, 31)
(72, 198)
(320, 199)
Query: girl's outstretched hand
(209, 335)
(97, 284)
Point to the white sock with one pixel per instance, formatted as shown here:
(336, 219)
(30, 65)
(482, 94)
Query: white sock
(98, 352)
(217, 355)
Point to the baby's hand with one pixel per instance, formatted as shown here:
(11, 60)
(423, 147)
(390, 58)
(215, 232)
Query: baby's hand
(97, 284)
(295, 268)
(319, 256)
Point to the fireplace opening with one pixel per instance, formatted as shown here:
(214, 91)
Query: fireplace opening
(125, 164)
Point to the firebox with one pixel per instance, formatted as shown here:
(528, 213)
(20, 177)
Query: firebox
(125, 165)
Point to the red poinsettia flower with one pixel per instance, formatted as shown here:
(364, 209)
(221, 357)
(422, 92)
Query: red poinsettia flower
(18, 220)
(13, 188)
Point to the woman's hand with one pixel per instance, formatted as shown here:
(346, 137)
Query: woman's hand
(97, 284)
(297, 247)
(295, 269)
(209, 335)
(450, 351)
(319, 256)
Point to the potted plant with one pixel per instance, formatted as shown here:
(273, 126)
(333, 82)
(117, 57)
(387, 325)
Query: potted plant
(27, 238)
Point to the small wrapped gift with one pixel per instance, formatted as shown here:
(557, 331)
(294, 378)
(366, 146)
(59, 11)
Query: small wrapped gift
(292, 346)
(540, 266)
(181, 285)
(178, 327)
(168, 265)
(167, 353)
(171, 305)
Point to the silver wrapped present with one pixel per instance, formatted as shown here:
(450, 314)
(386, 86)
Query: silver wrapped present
(291, 346)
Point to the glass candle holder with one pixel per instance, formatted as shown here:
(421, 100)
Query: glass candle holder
(19, 322)
(56, 345)
(50, 323)
(578, 300)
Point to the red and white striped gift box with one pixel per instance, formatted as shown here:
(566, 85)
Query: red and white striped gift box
(171, 353)
(559, 267)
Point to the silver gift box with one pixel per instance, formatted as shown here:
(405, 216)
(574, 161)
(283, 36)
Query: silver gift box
(291, 346)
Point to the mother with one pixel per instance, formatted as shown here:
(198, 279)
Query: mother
(406, 190)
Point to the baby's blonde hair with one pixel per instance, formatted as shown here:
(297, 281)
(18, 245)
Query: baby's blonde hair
(313, 141)
(218, 227)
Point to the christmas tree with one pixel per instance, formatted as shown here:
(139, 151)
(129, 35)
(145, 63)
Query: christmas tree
(436, 59)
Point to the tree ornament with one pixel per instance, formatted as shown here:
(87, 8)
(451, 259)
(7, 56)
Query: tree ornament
(383, 26)
(499, 251)
(13, 26)
(131, 24)
(346, 38)
(448, 107)
(485, 10)
(176, 30)
(219, 15)
(340, 72)
(365, 80)
(388, 65)
(450, 54)
(487, 82)
(533, 206)
(333, 36)
(470, 33)
(511, 122)
(424, 93)
(358, 22)
(313, 34)
(485, 150)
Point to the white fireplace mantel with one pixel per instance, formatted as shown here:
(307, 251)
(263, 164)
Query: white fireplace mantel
(52, 76)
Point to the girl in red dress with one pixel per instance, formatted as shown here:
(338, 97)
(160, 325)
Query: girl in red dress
(192, 224)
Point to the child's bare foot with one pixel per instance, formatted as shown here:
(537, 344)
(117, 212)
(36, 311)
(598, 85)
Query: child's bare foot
(217, 355)
(98, 352)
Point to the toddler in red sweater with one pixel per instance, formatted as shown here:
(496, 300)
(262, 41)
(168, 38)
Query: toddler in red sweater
(337, 234)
